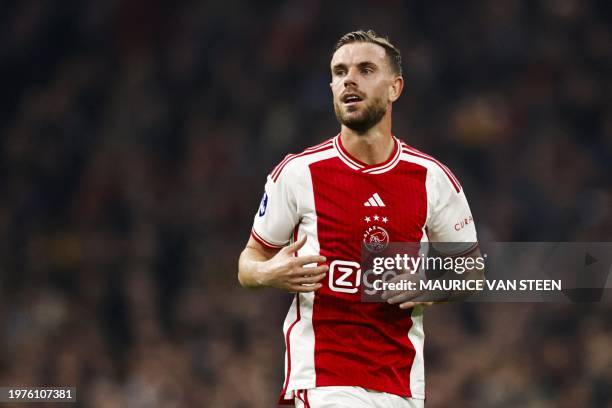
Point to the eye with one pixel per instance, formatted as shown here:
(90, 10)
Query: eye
(339, 72)
(367, 70)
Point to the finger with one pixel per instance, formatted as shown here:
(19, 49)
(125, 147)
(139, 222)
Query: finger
(405, 277)
(308, 279)
(304, 288)
(407, 294)
(296, 245)
(308, 259)
(408, 305)
(404, 296)
(389, 294)
(310, 270)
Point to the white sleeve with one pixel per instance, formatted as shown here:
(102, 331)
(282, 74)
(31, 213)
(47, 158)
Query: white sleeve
(277, 215)
(450, 220)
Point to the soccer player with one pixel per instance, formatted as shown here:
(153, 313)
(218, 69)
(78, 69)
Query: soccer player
(362, 186)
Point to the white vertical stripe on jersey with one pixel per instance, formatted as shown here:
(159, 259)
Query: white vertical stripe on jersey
(302, 339)
(290, 319)
(416, 335)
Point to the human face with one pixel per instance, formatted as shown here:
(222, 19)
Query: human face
(362, 85)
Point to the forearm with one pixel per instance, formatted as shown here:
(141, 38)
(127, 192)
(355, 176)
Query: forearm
(259, 267)
(250, 268)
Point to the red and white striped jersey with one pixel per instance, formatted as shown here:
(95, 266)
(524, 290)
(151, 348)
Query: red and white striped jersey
(333, 338)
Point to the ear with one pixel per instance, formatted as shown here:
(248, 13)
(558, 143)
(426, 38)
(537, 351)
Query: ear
(395, 88)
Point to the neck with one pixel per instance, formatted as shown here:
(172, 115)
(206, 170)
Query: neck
(373, 146)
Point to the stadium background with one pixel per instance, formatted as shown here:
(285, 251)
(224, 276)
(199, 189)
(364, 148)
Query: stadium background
(135, 141)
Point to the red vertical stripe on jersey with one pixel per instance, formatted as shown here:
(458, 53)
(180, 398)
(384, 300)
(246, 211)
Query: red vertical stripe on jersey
(298, 396)
(302, 395)
(356, 343)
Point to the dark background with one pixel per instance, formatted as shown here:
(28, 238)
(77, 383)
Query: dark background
(136, 137)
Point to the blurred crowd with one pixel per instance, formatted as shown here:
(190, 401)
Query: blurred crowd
(136, 137)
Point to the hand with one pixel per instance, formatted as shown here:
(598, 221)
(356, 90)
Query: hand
(286, 271)
(405, 298)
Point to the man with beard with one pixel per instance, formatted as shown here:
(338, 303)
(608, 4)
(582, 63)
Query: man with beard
(361, 187)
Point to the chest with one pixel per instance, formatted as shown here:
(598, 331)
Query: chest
(357, 207)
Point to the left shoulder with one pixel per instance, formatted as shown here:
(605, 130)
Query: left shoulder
(432, 164)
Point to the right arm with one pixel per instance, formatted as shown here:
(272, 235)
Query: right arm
(276, 265)
(259, 267)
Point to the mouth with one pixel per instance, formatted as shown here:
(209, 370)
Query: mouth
(351, 99)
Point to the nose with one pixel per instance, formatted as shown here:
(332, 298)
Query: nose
(350, 78)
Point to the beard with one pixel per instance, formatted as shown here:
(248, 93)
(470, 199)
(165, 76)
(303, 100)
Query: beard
(366, 119)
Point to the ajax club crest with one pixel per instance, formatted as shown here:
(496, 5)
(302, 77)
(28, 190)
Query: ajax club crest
(376, 238)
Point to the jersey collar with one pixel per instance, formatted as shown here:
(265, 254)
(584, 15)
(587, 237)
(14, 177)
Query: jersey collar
(362, 167)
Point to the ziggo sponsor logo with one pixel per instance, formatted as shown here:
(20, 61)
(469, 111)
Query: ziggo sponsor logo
(347, 277)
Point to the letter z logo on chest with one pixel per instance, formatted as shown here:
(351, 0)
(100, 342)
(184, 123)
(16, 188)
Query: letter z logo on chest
(344, 276)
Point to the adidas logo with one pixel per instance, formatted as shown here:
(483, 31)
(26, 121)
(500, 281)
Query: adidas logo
(374, 201)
